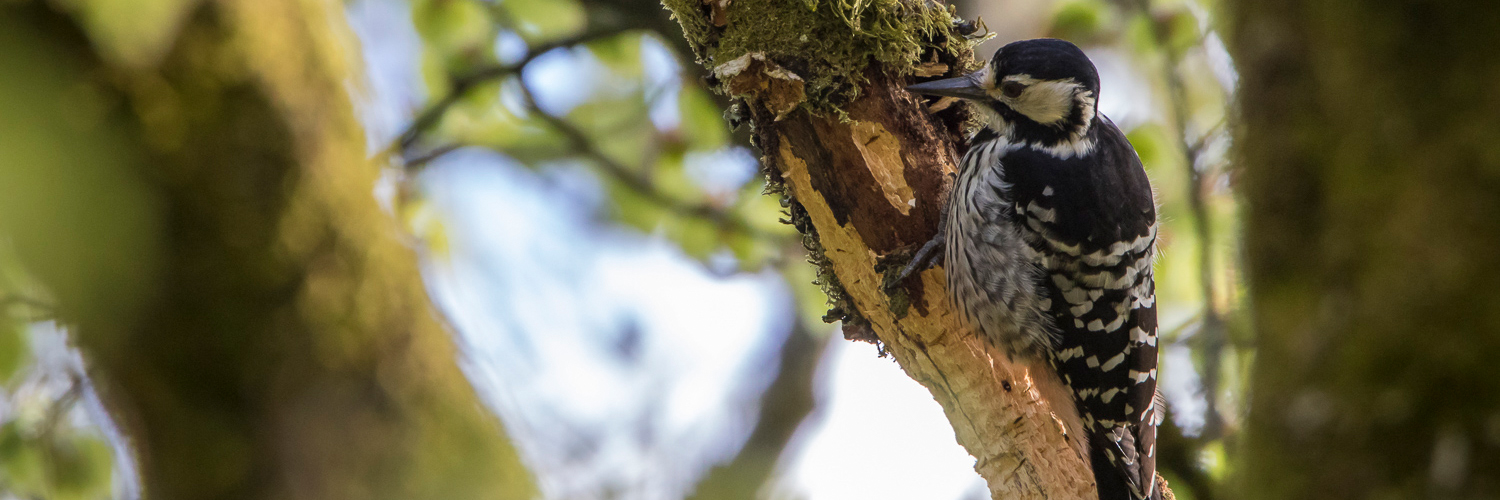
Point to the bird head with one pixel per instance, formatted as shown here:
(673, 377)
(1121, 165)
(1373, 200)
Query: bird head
(1043, 90)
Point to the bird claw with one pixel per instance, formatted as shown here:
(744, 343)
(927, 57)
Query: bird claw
(922, 260)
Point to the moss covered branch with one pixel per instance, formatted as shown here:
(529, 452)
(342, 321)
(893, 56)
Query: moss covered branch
(864, 168)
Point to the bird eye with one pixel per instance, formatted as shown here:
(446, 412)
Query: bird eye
(1012, 89)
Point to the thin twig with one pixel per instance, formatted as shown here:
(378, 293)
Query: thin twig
(40, 310)
(630, 177)
(419, 162)
(462, 85)
(59, 407)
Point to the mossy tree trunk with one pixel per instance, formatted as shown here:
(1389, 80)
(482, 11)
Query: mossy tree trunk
(193, 188)
(1371, 167)
(864, 168)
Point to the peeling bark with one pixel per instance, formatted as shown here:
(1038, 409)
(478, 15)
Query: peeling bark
(870, 179)
(996, 407)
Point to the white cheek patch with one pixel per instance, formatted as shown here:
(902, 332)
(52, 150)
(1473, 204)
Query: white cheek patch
(1046, 102)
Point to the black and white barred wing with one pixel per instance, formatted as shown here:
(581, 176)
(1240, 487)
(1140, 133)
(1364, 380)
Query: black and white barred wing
(1090, 225)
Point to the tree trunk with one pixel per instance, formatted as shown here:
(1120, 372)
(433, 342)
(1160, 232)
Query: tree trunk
(865, 168)
(191, 183)
(1371, 167)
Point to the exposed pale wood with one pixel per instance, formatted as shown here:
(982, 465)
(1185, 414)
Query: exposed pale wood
(996, 410)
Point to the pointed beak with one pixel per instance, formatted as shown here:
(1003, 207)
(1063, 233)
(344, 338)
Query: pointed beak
(967, 87)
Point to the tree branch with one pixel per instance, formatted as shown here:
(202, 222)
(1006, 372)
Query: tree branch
(866, 183)
(461, 85)
(632, 179)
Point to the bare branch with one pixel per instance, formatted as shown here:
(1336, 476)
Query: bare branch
(462, 85)
(631, 178)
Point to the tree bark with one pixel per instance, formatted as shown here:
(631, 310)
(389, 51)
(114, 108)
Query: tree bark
(204, 216)
(864, 180)
(1370, 147)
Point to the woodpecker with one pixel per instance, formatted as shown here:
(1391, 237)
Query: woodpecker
(1049, 239)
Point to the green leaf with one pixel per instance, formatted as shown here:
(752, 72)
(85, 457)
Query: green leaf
(458, 35)
(540, 21)
(449, 24)
(1082, 21)
(621, 54)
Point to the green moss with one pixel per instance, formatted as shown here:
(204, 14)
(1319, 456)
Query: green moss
(829, 43)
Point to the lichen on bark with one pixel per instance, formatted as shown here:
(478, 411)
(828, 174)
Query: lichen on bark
(864, 167)
(829, 43)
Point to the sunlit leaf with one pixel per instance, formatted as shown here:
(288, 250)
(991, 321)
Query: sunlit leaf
(527, 140)
(73, 199)
(449, 24)
(621, 54)
(457, 35)
(1081, 21)
(1214, 460)
(546, 20)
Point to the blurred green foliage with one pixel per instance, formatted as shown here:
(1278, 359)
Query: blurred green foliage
(46, 461)
(642, 163)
